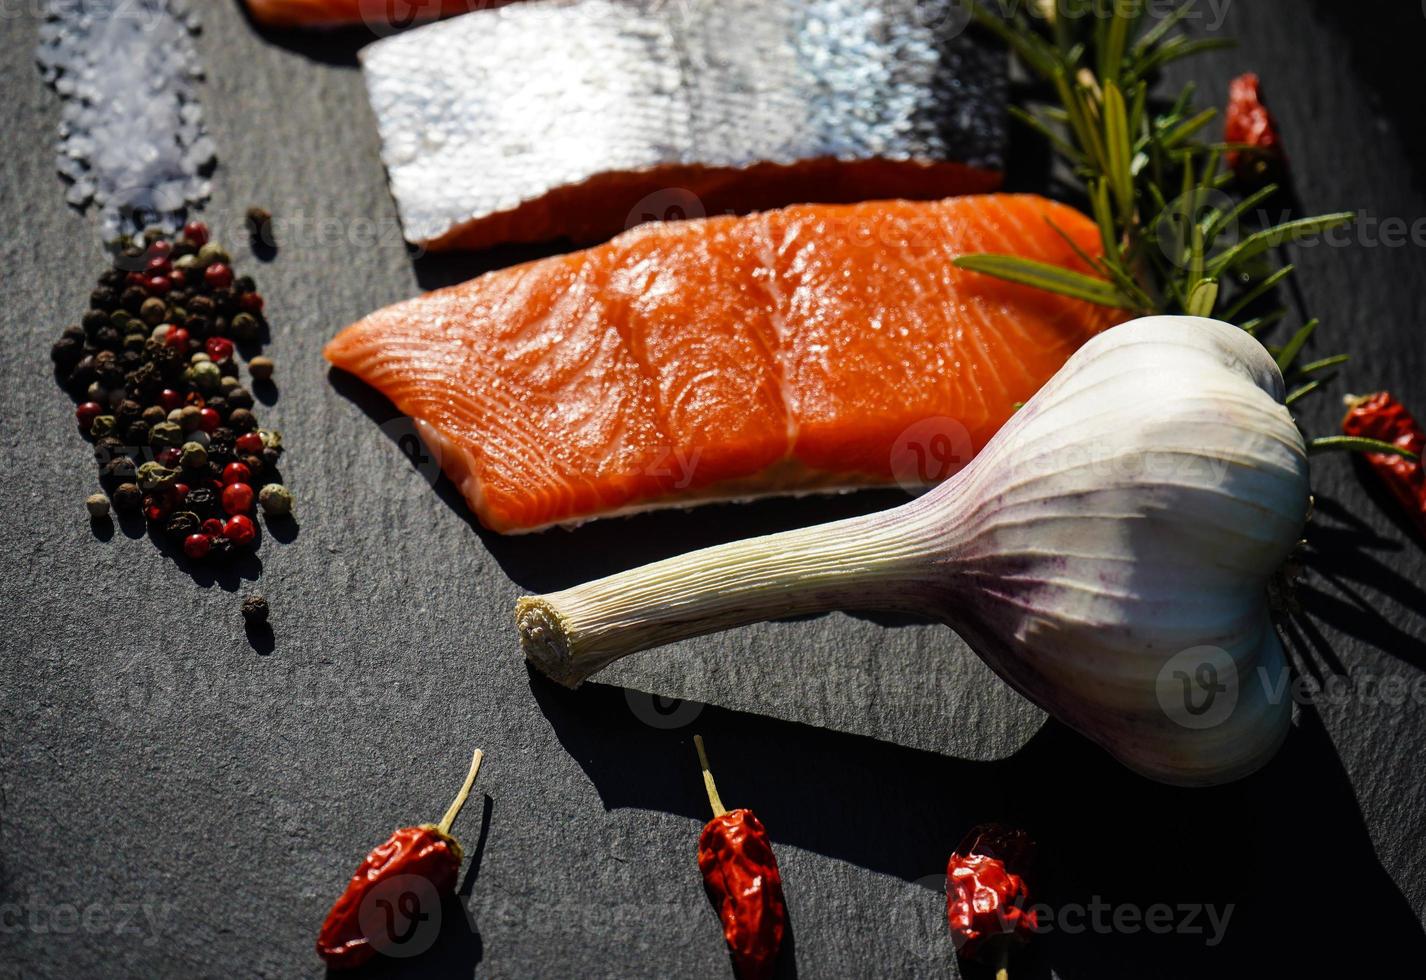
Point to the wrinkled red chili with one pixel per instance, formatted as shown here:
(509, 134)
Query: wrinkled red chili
(427, 851)
(986, 898)
(1251, 124)
(1382, 417)
(742, 880)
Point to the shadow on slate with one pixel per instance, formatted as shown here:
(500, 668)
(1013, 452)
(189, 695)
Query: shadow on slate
(1286, 849)
(1349, 580)
(1385, 39)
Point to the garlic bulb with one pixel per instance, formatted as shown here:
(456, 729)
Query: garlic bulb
(1107, 554)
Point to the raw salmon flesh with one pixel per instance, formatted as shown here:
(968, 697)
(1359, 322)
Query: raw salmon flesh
(806, 349)
(341, 13)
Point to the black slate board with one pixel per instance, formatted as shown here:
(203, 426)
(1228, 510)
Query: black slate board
(180, 798)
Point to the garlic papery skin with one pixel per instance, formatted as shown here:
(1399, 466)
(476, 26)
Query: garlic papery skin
(1107, 554)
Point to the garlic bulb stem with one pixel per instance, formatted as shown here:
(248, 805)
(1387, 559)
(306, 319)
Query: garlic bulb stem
(861, 562)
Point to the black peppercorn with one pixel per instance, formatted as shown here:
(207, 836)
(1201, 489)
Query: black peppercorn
(154, 414)
(106, 337)
(240, 398)
(202, 501)
(255, 466)
(133, 299)
(93, 320)
(255, 609)
(244, 284)
(66, 353)
(137, 434)
(217, 403)
(112, 278)
(128, 412)
(220, 549)
(201, 306)
(270, 457)
(241, 420)
(104, 299)
(182, 523)
(126, 498)
(106, 448)
(198, 325)
(119, 469)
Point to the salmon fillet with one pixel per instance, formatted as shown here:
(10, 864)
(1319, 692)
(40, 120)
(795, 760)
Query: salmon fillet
(807, 349)
(577, 120)
(374, 13)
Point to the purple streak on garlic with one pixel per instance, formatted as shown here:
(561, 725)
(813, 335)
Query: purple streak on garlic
(1131, 513)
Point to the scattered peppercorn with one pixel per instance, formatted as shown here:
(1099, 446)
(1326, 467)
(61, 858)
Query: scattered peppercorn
(276, 500)
(255, 609)
(259, 221)
(261, 368)
(152, 365)
(98, 506)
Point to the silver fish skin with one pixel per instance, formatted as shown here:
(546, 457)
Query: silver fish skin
(579, 118)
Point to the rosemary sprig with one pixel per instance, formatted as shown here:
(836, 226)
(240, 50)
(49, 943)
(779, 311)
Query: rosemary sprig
(1165, 204)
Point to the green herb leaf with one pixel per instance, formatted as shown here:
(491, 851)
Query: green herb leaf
(1043, 275)
(1354, 444)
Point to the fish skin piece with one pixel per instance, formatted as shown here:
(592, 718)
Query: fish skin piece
(563, 119)
(725, 358)
(344, 13)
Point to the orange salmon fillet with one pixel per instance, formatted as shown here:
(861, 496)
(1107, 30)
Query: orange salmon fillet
(788, 351)
(337, 13)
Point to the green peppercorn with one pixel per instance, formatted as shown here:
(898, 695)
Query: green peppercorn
(98, 506)
(204, 376)
(276, 500)
(135, 341)
(154, 414)
(103, 425)
(245, 327)
(195, 456)
(271, 438)
(228, 383)
(127, 498)
(188, 260)
(199, 357)
(106, 448)
(153, 476)
(153, 311)
(166, 434)
(211, 253)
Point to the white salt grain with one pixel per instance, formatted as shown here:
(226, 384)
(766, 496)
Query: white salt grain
(131, 135)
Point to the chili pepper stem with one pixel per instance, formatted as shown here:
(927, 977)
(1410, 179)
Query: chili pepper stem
(708, 784)
(1002, 965)
(453, 810)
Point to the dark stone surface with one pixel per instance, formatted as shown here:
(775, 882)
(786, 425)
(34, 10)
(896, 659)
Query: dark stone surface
(205, 790)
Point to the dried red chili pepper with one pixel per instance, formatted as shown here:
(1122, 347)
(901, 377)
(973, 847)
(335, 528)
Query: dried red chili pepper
(741, 877)
(1250, 124)
(985, 899)
(427, 852)
(1382, 417)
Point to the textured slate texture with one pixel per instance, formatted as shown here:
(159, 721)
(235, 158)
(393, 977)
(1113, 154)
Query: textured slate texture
(180, 798)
